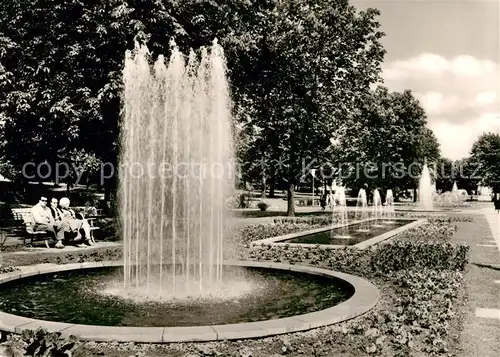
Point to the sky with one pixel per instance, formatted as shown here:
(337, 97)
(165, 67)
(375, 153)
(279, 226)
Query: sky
(447, 52)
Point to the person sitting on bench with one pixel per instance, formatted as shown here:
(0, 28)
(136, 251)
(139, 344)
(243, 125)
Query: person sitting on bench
(69, 225)
(45, 222)
(81, 223)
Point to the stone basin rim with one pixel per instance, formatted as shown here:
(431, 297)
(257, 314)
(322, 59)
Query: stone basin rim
(365, 297)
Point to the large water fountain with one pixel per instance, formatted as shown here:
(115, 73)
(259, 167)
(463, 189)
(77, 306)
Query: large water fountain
(175, 171)
(425, 190)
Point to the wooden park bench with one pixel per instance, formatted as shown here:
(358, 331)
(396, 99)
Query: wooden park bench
(90, 219)
(24, 214)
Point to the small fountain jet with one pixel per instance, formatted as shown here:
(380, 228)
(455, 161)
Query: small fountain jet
(340, 209)
(361, 211)
(389, 214)
(377, 212)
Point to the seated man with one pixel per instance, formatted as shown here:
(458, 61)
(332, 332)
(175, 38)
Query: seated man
(45, 222)
(67, 225)
(70, 216)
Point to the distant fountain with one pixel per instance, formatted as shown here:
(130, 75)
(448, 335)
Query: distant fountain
(377, 213)
(340, 210)
(425, 190)
(362, 211)
(176, 121)
(389, 214)
(454, 195)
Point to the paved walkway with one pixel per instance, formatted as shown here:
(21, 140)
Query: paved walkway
(493, 219)
(480, 335)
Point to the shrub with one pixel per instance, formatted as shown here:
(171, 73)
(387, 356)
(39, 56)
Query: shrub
(418, 318)
(400, 255)
(109, 229)
(41, 343)
(7, 269)
(434, 230)
(383, 259)
(262, 205)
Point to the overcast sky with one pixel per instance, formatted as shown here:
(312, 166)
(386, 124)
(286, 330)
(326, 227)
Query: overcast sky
(448, 53)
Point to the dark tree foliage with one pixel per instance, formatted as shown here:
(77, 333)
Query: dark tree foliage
(485, 158)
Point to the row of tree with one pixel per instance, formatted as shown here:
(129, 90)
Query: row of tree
(301, 72)
(294, 66)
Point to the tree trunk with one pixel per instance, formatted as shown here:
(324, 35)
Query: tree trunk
(291, 200)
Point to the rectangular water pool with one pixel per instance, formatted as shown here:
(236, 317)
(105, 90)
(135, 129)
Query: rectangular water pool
(356, 233)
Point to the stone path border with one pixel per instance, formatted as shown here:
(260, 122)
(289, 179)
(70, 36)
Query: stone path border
(278, 241)
(67, 249)
(493, 219)
(365, 297)
(488, 313)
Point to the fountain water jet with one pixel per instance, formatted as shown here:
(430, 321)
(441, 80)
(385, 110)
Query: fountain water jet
(425, 190)
(340, 208)
(454, 195)
(361, 211)
(389, 213)
(177, 121)
(377, 208)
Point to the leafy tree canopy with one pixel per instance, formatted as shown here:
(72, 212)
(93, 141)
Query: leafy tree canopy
(485, 155)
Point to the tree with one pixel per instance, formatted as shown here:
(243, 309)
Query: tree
(385, 141)
(428, 147)
(311, 59)
(444, 174)
(466, 177)
(297, 64)
(60, 71)
(485, 156)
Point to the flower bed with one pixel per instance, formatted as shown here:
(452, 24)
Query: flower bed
(385, 258)
(432, 217)
(61, 257)
(422, 275)
(434, 230)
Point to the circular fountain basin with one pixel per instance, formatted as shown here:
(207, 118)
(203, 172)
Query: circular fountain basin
(364, 297)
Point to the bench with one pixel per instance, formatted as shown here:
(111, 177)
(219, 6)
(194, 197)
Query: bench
(24, 214)
(90, 219)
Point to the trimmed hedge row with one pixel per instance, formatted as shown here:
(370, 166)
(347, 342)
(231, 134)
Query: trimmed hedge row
(386, 258)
